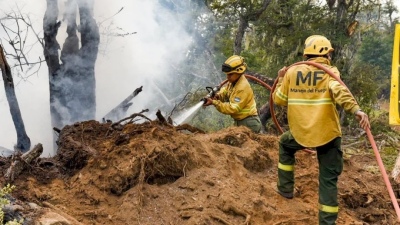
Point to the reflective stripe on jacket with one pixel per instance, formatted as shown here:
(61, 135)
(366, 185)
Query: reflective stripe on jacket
(237, 100)
(311, 96)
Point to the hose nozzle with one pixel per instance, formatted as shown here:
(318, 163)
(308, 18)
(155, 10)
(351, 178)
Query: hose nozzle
(211, 92)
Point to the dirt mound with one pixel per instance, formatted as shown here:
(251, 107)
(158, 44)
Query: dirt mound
(154, 173)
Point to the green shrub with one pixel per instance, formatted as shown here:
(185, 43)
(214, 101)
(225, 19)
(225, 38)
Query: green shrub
(4, 201)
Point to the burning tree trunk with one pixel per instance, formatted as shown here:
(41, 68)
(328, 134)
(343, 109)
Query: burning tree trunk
(23, 141)
(71, 75)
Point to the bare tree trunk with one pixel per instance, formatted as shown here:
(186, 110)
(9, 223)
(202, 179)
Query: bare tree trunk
(90, 39)
(23, 141)
(51, 47)
(244, 20)
(72, 81)
(243, 24)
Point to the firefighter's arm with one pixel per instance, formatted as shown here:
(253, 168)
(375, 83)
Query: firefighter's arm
(221, 94)
(280, 93)
(345, 99)
(237, 101)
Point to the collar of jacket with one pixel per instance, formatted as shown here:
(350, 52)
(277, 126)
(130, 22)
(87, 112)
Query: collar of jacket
(240, 77)
(320, 60)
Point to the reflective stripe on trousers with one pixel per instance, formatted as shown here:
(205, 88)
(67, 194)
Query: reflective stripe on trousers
(329, 209)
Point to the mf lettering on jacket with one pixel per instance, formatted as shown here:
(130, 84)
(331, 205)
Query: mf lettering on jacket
(312, 77)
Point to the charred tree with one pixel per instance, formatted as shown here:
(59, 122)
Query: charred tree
(23, 141)
(120, 110)
(71, 74)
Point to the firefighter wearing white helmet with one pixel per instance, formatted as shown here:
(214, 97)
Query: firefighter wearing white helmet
(237, 98)
(311, 96)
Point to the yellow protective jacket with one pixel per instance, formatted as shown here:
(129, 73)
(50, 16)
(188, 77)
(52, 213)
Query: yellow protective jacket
(311, 96)
(236, 100)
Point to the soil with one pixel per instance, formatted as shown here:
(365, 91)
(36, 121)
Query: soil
(155, 173)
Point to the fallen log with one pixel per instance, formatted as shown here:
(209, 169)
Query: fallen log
(19, 162)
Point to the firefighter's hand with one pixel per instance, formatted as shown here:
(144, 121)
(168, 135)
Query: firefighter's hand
(282, 72)
(208, 102)
(363, 119)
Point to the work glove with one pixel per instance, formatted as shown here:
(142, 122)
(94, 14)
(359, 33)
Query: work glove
(362, 117)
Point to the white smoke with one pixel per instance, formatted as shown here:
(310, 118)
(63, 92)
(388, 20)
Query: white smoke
(123, 64)
(139, 59)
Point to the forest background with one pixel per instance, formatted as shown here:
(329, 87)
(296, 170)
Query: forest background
(174, 49)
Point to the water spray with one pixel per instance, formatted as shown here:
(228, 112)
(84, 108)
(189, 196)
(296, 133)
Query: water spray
(190, 113)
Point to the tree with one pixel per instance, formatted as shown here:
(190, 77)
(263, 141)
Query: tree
(23, 141)
(71, 74)
(376, 50)
(243, 12)
(17, 28)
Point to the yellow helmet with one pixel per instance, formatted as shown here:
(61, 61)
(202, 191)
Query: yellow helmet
(234, 64)
(317, 45)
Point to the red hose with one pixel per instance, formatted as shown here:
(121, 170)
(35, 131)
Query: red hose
(370, 137)
(253, 78)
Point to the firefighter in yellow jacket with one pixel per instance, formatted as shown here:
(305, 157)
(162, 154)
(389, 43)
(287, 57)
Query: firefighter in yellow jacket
(237, 98)
(311, 96)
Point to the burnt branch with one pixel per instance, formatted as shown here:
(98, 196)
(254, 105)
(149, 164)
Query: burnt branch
(162, 119)
(183, 102)
(130, 118)
(122, 107)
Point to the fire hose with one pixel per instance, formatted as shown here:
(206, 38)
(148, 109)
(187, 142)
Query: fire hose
(368, 131)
